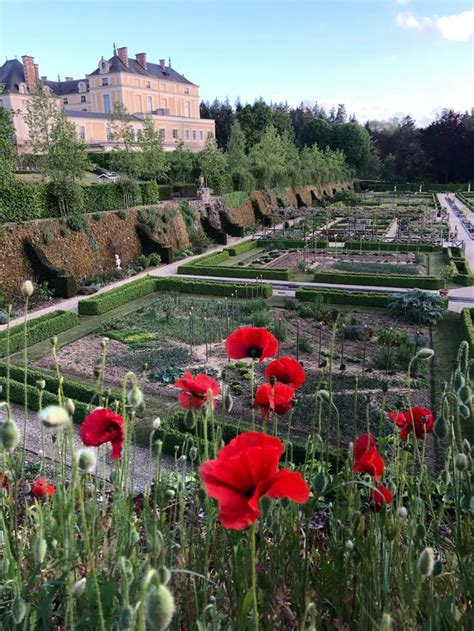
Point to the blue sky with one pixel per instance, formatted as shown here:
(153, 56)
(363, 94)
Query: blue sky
(380, 57)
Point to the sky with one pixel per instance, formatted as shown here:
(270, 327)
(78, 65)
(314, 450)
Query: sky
(381, 58)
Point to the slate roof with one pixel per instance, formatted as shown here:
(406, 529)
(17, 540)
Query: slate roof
(61, 88)
(153, 70)
(11, 74)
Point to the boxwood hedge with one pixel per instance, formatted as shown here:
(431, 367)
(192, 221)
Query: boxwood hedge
(340, 297)
(96, 305)
(379, 280)
(393, 246)
(237, 272)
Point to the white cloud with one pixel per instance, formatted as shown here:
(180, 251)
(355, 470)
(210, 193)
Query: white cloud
(456, 28)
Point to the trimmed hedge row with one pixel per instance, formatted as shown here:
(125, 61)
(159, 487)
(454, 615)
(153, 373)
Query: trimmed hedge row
(241, 248)
(379, 280)
(463, 273)
(466, 201)
(211, 288)
(39, 329)
(236, 272)
(292, 243)
(340, 297)
(393, 246)
(467, 327)
(211, 259)
(96, 305)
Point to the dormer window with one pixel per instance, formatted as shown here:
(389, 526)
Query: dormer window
(105, 80)
(104, 66)
(65, 101)
(148, 84)
(82, 87)
(22, 88)
(186, 90)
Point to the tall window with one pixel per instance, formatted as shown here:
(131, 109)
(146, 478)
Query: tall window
(148, 84)
(1, 105)
(164, 104)
(186, 134)
(162, 133)
(201, 135)
(82, 133)
(194, 134)
(109, 134)
(186, 90)
(105, 80)
(175, 134)
(187, 109)
(149, 100)
(83, 99)
(65, 101)
(107, 106)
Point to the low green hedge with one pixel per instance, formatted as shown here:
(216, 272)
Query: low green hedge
(463, 273)
(241, 248)
(392, 246)
(211, 259)
(282, 244)
(213, 288)
(339, 297)
(96, 305)
(379, 280)
(39, 329)
(467, 327)
(236, 272)
(466, 201)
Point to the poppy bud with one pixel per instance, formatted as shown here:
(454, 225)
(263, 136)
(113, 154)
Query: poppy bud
(170, 493)
(228, 402)
(437, 568)
(445, 476)
(157, 447)
(441, 428)
(402, 512)
(349, 545)
(159, 607)
(86, 460)
(265, 505)
(386, 623)
(459, 379)
(425, 354)
(464, 411)
(18, 610)
(79, 587)
(324, 395)
(104, 341)
(464, 394)
(10, 435)
(319, 484)
(426, 562)
(466, 447)
(126, 618)
(190, 419)
(461, 462)
(41, 384)
(420, 532)
(70, 406)
(145, 366)
(54, 340)
(97, 369)
(53, 416)
(39, 550)
(135, 397)
(157, 423)
(193, 453)
(27, 289)
(164, 575)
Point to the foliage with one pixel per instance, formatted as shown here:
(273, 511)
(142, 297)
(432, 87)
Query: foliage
(418, 307)
(7, 147)
(213, 165)
(152, 159)
(378, 280)
(341, 297)
(376, 268)
(181, 164)
(39, 329)
(76, 223)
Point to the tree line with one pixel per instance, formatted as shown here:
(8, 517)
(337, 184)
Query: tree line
(396, 150)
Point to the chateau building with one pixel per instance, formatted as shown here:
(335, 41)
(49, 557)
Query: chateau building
(141, 86)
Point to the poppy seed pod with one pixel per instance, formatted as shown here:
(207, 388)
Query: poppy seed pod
(425, 354)
(53, 416)
(228, 402)
(265, 505)
(426, 562)
(135, 397)
(10, 435)
(461, 462)
(86, 460)
(193, 453)
(79, 587)
(445, 476)
(420, 532)
(27, 289)
(39, 550)
(54, 340)
(159, 607)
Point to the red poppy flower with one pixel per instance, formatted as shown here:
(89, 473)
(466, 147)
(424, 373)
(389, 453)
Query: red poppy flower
(286, 370)
(196, 390)
(253, 342)
(103, 426)
(41, 488)
(276, 398)
(244, 471)
(418, 419)
(3, 480)
(381, 496)
(366, 457)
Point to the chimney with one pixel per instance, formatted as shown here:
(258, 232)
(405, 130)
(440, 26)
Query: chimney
(69, 79)
(37, 72)
(123, 55)
(29, 71)
(162, 64)
(141, 59)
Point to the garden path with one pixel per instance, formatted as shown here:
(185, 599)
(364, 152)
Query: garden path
(143, 462)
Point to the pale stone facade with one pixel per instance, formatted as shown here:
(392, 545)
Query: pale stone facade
(142, 87)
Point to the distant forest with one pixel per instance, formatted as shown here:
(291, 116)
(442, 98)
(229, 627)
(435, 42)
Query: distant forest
(396, 150)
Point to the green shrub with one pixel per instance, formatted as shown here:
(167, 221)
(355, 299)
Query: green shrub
(467, 327)
(304, 344)
(261, 318)
(284, 244)
(76, 223)
(418, 307)
(154, 259)
(236, 272)
(280, 330)
(97, 216)
(64, 232)
(379, 280)
(249, 291)
(150, 192)
(39, 329)
(47, 237)
(121, 214)
(233, 201)
(20, 201)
